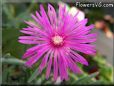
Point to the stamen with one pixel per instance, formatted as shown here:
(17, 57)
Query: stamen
(57, 40)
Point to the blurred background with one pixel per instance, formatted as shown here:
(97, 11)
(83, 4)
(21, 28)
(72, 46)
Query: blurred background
(100, 69)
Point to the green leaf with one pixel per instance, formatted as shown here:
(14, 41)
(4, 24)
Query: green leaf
(106, 72)
(10, 43)
(12, 61)
(98, 82)
(99, 59)
(86, 79)
(8, 10)
(5, 74)
(73, 76)
(39, 81)
(33, 76)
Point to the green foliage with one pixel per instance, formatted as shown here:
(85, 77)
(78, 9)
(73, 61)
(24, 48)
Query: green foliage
(33, 76)
(106, 70)
(10, 42)
(86, 79)
(12, 60)
(12, 64)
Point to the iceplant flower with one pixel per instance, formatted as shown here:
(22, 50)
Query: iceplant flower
(57, 40)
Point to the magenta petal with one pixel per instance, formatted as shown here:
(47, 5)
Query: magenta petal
(75, 28)
(81, 23)
(87, 29)
(73, 66)
(43, 13)
(62, 68)
(52, 14)
(36, 19)
(79, 58)
(49, 66)
(32, 38)
(34, 31)
(28, 54)
(36, 57)
(37, 47)
(27, 32)
(30, 23)
(26, 37)
(92, 35)
(89, 36)
(85, 48)
(55, 75)
(45, 20)
(30, 61)
(84, 30)
(63, 54)
(62, 11)
(39, 18)
(32, 50)
(44, 61)
(83, 40)
(27, 42)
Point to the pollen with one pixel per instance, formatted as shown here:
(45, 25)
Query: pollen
(57, 40)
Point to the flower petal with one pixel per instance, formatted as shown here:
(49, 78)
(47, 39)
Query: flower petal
(44, 61)
(36, 57)
(55, 70)
(62, 68)
(85, 48)
(52, 15)
(77, 26)
(78, 58)
(32, 50)
(27, 42)
(49, 66)
(43, 13)
(73, 66)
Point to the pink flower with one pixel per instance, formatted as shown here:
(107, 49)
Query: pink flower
(57, 38)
